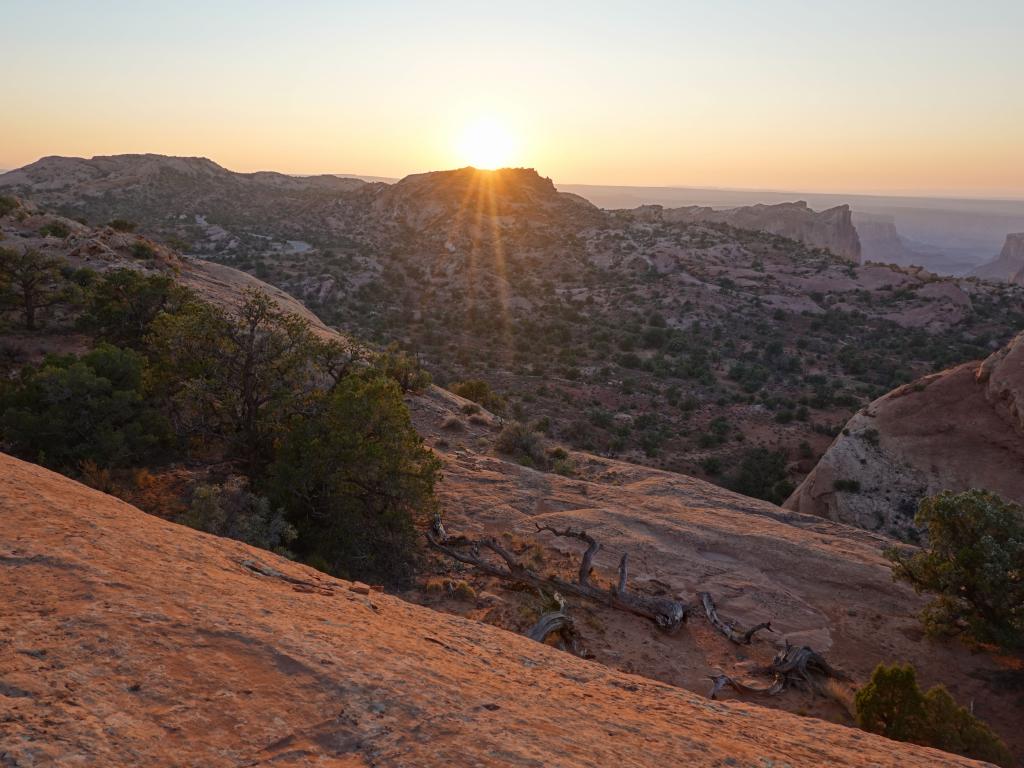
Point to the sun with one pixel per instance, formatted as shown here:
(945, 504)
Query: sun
(486, 144)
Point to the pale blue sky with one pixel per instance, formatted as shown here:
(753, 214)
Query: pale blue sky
(845, 96)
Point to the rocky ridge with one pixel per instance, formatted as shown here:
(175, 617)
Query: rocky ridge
(832, 229)
(1009, 264)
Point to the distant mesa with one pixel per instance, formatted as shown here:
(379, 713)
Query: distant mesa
(1009, 264)
(832, 229)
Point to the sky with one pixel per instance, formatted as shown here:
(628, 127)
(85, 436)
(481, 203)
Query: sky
(902, 97)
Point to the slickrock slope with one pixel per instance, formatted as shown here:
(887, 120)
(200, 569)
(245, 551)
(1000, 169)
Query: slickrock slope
(131, 641)
(820, 583)
(959, 429)
(1009, 264)
(832, 229)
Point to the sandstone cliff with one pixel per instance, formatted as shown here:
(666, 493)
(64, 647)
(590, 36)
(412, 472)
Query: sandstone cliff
(132, 641)
(1009, 264)
(959, 429)
(832, 229)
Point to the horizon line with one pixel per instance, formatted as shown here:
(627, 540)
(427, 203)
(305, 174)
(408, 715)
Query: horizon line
(950, 195)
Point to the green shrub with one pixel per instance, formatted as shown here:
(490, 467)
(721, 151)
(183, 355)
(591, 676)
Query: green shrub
(520, 442)
(847, 486)
(55, 229)
(235, 378)
(143, 251)
(480, 392)
(121, 225)
(712, 465)
(893, 705)
(8, 204)
(403, 368)
(238, 514)
(973, 562)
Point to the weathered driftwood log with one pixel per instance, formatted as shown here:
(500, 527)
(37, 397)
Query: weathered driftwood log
(740, 638)
(721, 681)
(795, 665)
(560, 623)
(668, 614)
(800, 664)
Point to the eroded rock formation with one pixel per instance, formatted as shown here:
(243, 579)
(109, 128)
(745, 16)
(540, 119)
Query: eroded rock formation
(959, 429)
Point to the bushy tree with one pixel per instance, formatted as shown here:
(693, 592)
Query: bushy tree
(30, 281)
(92, 408)
(235, 377)
(403, 368)
(973, 562)
(893, 705)
(354, 476)
(122, 303)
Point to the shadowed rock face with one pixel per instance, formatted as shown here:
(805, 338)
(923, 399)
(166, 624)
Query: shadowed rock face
(832, 230)
(1009, 264)
(133, 641)
(959, 429)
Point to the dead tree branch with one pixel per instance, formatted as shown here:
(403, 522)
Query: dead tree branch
(561, 623)
(721, 681)
(793, 666)
(740, 638)
(668, 614)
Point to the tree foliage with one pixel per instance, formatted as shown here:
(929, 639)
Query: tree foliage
(354, 476)
(30, 282)
(235, 378)
(973, 562)
(91, 408)
(893, 705)
(122, 304)
(762, 474)
(238, 514)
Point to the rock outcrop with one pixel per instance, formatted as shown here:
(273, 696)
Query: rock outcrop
(1009, 264)
(831, 229)
(128, 640)
(880, 241)
(959, 429)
